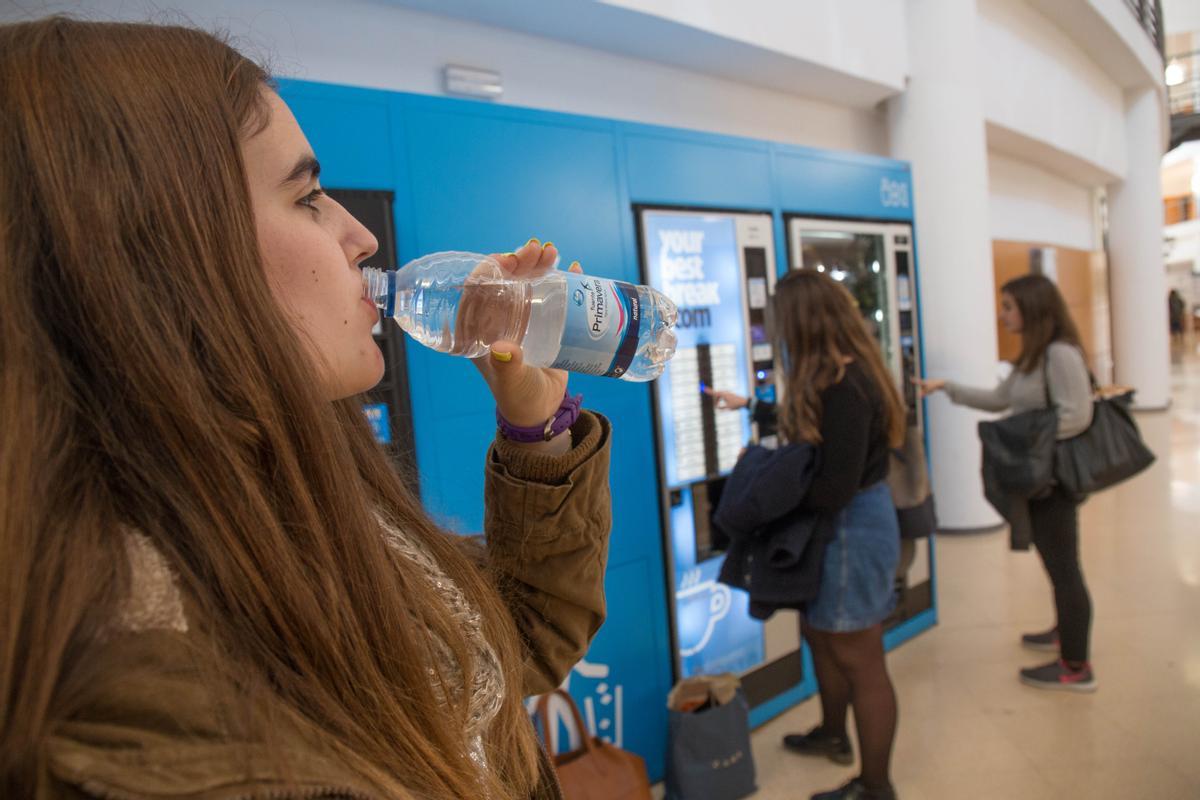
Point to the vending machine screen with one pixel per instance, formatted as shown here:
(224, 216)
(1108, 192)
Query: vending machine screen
(718, 269)
(693, 259)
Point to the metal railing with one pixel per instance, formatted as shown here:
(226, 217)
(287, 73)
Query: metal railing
(1149, 16)
(1184, 94)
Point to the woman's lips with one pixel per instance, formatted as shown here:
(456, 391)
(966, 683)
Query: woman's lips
(372, 311)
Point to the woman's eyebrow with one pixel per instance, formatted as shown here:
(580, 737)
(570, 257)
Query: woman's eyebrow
(307, 168)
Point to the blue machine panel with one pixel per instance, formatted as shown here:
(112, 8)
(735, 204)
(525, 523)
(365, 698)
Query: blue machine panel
(350, 131)
(715, 631)
(833, 185)
(669, 166)
(486, 184)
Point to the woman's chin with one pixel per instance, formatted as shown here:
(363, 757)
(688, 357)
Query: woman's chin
(363, 380)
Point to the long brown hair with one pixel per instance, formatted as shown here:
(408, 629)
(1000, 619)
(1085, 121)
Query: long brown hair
(1044, 318)
(817, 327)
(149, 382)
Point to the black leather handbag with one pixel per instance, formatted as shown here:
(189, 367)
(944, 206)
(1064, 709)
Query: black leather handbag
(1018, 452)
(1109, 451)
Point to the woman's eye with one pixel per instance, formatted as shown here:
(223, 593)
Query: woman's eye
(310, 200)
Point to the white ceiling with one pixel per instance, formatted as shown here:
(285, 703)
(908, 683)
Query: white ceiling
(631, 32)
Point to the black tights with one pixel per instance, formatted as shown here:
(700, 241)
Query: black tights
(1055, 526)
(850, 669)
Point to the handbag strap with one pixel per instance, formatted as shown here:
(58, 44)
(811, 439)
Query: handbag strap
(543, 712)
(1046, 374)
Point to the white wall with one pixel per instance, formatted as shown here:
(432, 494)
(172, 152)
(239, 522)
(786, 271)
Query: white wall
(1038, 82)
(844, 52)
(1181, 16)
(863, 38)
(1029, 204)
(938, 126)
(376, 44)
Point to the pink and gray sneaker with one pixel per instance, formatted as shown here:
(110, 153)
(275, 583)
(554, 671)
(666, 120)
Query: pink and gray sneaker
(1057, 675)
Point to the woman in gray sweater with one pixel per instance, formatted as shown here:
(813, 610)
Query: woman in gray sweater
(1050, 368)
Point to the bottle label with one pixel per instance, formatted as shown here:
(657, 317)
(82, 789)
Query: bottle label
(603, 326)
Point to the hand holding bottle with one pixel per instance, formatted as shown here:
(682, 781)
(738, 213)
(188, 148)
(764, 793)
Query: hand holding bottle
(461, 303)
(524, 395)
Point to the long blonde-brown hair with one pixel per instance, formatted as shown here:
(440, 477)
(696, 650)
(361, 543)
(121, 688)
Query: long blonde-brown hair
(149, 382)
(817, 328)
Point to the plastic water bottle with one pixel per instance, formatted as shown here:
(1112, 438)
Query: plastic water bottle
(460, 303)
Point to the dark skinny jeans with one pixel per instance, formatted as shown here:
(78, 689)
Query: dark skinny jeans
(1055, 523)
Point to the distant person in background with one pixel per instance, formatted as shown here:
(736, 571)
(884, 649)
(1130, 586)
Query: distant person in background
(1176, 309)
(1051, 364)
(840, 396)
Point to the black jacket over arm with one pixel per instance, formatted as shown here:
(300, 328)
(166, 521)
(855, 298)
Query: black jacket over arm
(776, 545)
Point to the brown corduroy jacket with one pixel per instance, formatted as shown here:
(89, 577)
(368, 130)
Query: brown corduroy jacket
(153, 730)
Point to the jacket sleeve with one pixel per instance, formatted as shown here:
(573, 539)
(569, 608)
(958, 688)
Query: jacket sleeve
(996, 399)
(547, 521)
(1070, 389)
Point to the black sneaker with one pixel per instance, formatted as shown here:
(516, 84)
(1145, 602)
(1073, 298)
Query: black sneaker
(1057, 675)
(819, 743)
(856, 790)
(1046, 642)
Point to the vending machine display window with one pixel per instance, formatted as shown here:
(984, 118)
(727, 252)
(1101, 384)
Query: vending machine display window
(719, 268)
(873, 260)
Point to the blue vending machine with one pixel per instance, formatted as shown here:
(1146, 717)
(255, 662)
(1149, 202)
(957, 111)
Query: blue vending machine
(719, 268)
(703, 217)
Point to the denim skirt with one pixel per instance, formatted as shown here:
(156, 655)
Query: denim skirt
(858, 575)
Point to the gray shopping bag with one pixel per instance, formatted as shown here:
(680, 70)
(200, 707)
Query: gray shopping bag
(709, 755)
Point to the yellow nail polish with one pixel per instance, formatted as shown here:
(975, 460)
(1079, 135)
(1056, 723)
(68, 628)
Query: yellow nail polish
(514, 255)
(574, 264)
(532, 240)
(547, 244)
(502, 357)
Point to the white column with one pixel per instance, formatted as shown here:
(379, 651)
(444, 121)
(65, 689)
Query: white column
(938, 126)
(1137, 274)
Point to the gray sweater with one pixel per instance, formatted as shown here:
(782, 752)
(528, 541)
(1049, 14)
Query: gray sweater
(1070, 390)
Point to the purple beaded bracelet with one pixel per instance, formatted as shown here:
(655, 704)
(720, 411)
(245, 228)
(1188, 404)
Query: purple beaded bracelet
(563, 418)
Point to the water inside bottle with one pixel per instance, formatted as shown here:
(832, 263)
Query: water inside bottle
(488, 311)
(461, 320)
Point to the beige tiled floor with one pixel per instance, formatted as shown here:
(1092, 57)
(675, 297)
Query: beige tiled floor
(968, 729)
